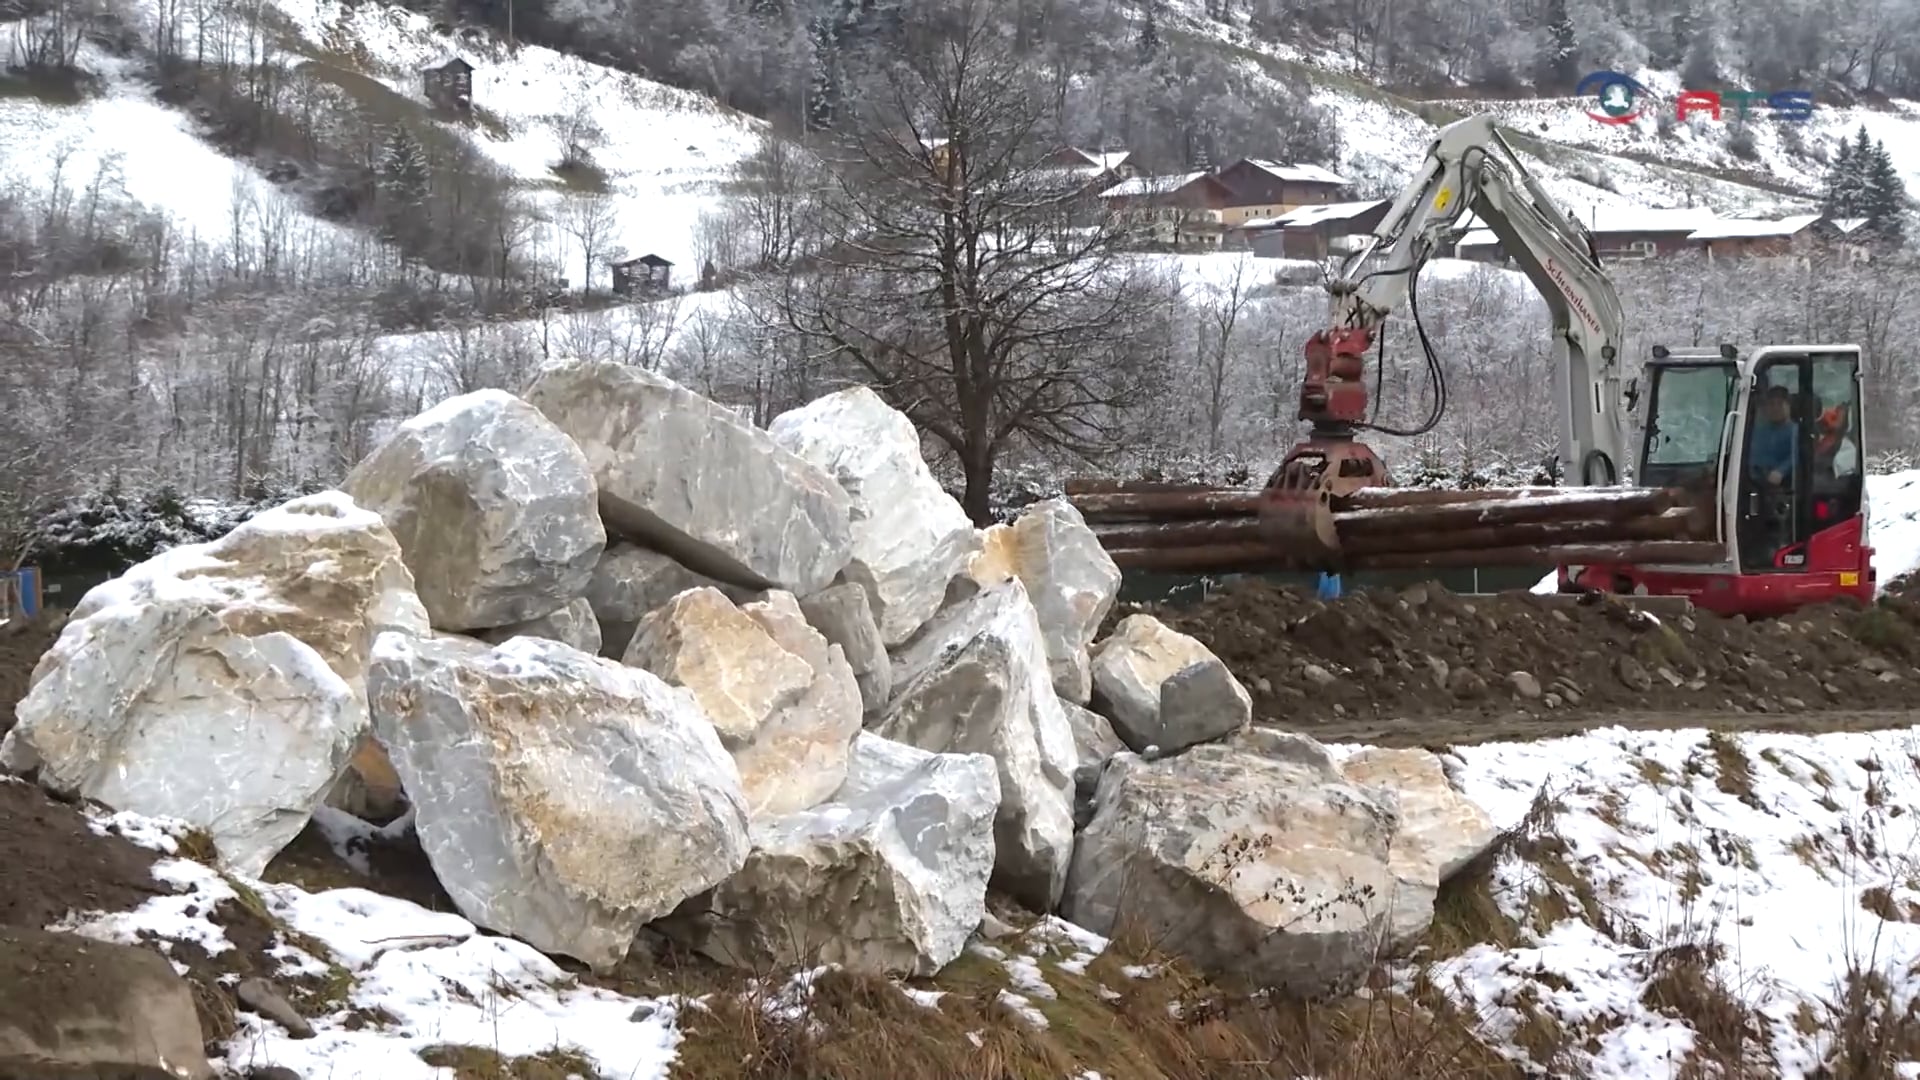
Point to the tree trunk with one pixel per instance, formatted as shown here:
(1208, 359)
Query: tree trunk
(977, 501)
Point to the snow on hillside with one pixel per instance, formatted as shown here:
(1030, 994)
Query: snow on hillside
(665, 151)
(133, 146)
(1893, 523)
(1783, 863)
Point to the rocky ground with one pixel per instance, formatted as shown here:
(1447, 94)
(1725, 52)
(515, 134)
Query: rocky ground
(712, 750)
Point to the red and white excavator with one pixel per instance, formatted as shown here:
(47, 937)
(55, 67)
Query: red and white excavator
(1750, 467)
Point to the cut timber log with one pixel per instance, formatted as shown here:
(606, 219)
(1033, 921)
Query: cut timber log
(1251, 557)
(1673, 524)
(1169, 505)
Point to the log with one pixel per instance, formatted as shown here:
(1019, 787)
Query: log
(1375, 498)
(1086, 485)
(1619, 504)
(1673, 524)
(1251, 558)
(1169, 505)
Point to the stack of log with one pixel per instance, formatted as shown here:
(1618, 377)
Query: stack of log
(1192, 528)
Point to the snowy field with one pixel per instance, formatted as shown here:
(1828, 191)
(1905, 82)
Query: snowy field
(1755, 849)
(664, 151)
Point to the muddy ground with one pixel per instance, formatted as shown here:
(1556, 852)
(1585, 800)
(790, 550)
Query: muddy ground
(21, 643)
(1426, 667)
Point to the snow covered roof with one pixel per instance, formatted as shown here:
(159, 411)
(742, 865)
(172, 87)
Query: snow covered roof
(1151, 185)
(444, 59)
(1298, 174)
(1645, 219)
(1321, 215)
(1741, 228)
(1478, 238)
(1846, 224)
(1100, 160)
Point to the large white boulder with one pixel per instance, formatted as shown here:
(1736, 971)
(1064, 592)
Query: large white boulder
(698, 482)
(1071, 579)
(1163, 689)
(889, 877)
(783, 701)
(222, 683)
(976, 681)
(909, 536)
(1270, 867)
(494, 508)
(561, 798)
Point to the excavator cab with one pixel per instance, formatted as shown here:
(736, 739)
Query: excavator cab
(1772, 446)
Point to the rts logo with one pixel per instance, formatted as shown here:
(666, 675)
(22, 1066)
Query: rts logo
(1619, 99)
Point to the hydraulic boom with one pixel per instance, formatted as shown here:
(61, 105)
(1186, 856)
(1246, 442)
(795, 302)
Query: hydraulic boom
(1470, 170)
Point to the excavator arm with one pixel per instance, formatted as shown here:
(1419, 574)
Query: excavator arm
(1470, 169)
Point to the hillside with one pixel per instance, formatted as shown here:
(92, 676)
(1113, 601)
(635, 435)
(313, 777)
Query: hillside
(255, 244)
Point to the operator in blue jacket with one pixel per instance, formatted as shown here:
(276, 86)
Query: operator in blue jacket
(1775, 449)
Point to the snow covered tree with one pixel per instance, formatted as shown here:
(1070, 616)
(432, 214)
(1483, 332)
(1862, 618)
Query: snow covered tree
(1863, 183)
(1559, 67)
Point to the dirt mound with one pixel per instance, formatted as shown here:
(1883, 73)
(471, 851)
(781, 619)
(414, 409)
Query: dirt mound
(1423, 652)
(22, 641)
(55, 863)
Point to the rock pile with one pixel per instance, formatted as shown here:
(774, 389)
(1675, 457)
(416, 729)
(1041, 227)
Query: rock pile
(628, 659)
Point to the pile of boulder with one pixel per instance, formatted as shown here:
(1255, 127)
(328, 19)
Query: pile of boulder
(627, 659)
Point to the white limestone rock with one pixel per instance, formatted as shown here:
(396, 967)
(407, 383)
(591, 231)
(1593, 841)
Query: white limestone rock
(782, 700)
(1130, 668)
(976, 681)
(573, 626)
(1071, 579)
(630, 582)
(563, 799)
(843, 614)
(1257, 867)
(887, 878)
(222, 683)
(909, 536)
(493, 506)
(696, 481)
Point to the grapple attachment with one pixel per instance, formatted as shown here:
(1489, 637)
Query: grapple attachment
(1297, 506)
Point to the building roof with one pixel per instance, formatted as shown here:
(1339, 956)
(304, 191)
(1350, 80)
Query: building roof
(1329, 212)
(649, 259)
(1297, 174)
(1601, 220)
(1478, 238)
(1151, 185)
(1847, 224)
(1750, 228)
(447, 59)
(1100, 161)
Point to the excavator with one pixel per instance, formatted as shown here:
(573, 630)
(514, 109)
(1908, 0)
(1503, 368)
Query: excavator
(1750, 494)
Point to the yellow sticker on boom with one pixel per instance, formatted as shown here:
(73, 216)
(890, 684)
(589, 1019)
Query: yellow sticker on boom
(1849, 578)
(1441, 200)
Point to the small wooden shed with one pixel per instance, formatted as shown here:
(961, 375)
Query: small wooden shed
(449, 84)
(648, 275)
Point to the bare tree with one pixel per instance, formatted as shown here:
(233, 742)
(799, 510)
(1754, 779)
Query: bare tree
(590, 220)
(1218, 332)
(955, 281)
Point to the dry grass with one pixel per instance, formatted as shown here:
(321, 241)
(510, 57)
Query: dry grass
(479, 1063)
(1171, 1025)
